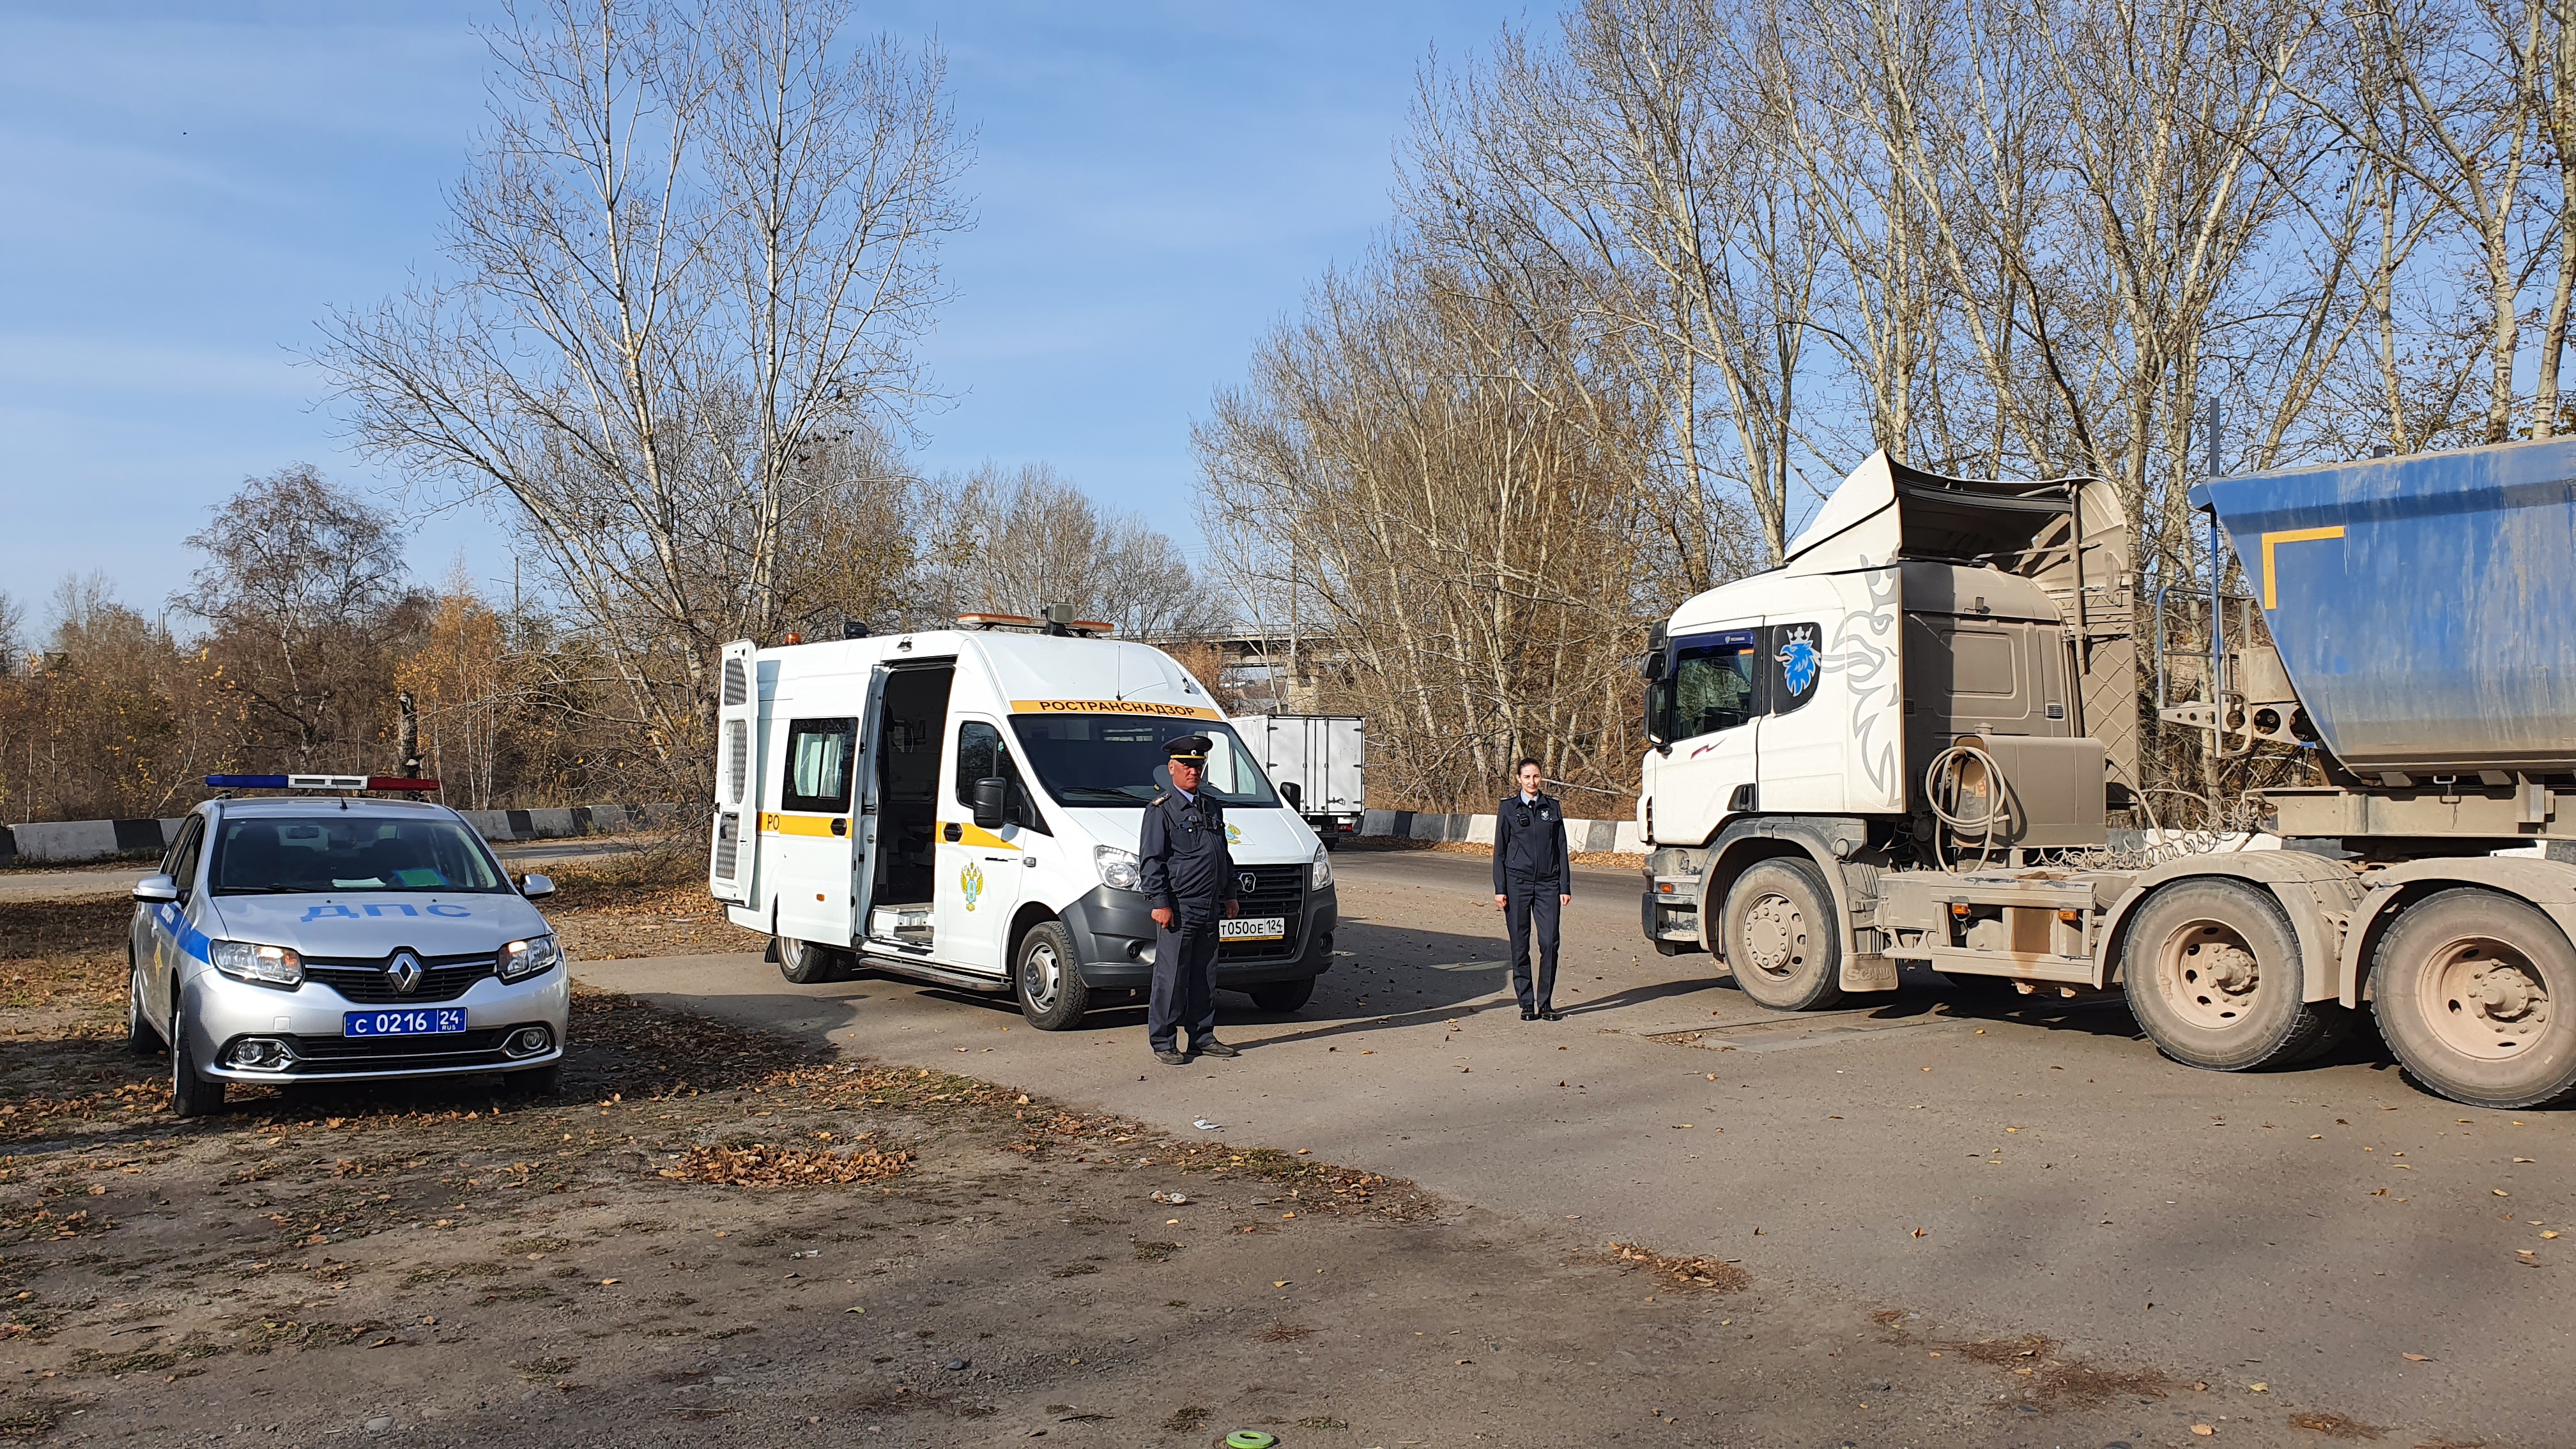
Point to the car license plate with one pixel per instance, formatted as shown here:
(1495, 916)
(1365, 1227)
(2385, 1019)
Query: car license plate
(438, 1021)
(1253, 928)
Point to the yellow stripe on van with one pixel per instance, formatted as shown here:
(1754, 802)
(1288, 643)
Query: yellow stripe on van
(969, 833)
(1112, 706)
(773, 823)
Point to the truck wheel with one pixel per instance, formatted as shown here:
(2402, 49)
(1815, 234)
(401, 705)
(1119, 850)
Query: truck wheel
(1281, 997)
(1780, 939)
(1046, 979)
(190, 1095)
(807, 964)
(2212, 972)
(2476, 993)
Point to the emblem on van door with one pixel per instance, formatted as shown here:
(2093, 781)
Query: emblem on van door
(406, 972)
(970, 882)
(1233, 834)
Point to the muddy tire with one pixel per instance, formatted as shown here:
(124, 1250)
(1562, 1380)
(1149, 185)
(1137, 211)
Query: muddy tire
(1282, 997)
(1047, 978)
(1780, 938)
(2213, 975)
(807, 964)
(190, 1095)
(2476, 994)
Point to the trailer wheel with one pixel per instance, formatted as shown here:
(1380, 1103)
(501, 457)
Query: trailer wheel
(1046, 980)
(2213, 974)
(807, 964)
(2476, 993)
(1779, 935)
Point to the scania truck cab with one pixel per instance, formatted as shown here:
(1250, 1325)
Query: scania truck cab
(962, 806)
(1905, 744)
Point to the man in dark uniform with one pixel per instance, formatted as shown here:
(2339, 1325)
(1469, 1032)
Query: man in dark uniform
(1532, 881)
(1188, 871)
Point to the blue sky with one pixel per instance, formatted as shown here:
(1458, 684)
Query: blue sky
(189, 186)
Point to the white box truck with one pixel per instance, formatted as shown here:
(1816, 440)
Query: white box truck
(961, 806)
(1319, 762)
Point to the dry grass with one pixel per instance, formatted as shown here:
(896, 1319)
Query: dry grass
(1706, 1273)
(761, 1165)
(2335, 1426)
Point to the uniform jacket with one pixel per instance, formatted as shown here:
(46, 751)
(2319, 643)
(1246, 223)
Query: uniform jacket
(1182, 857)
(1532, 853)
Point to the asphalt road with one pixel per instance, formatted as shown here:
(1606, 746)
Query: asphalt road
(76, 882)
(1999, 1172)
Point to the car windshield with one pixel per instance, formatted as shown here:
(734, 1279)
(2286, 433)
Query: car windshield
(1117, 760)
(307, 854)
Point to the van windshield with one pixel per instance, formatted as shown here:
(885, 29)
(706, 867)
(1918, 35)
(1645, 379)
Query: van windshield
(288, 855)
(1117, 759)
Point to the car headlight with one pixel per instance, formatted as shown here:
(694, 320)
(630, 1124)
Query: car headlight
(1323, 868)
(263, 965)
(1117, 868)
(523, 959)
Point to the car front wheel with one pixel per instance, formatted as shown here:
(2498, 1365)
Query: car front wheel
(1046, 979)
(190, 1095)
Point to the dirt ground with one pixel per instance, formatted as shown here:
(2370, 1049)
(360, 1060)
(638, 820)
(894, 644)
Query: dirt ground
(715, 1235)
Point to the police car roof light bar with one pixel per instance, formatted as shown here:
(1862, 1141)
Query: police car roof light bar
(319, 782)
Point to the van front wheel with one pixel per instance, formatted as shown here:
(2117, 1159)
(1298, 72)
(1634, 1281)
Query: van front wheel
(1047, 980)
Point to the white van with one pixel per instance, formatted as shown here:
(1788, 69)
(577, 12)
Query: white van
(962, 807)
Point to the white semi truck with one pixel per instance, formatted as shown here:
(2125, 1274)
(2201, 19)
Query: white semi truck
(1904, 745)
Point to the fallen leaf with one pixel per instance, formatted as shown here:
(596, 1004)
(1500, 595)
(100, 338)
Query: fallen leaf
(2203, 1430)
(1918, 1232)
(609, 1282)
(1282, 1283)
(854, 1310)
(2316, 1137)
(2419, 1358)
(2553, 1232)
(2500, 1192)
(2260, 1388)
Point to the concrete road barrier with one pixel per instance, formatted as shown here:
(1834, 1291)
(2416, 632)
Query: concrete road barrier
(71, 842)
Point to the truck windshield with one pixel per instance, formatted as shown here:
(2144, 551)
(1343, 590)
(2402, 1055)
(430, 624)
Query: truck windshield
(1117, 759)
(301, 855)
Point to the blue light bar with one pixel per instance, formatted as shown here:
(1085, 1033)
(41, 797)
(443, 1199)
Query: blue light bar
(319, 782)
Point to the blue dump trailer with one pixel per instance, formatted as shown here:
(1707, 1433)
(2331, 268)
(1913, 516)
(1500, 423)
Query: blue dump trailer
(1932, 785)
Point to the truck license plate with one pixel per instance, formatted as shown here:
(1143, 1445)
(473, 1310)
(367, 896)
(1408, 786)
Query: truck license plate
(1253, 928)
(438, 1021)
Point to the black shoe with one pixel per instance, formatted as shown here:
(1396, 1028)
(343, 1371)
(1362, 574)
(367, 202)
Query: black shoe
(1214, 1048)
(1529, 1016)
(1551, 1014)
(1172, 1059)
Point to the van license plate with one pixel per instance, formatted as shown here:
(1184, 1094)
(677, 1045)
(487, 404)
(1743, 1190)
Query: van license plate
(442, 1021)
(1253, 928)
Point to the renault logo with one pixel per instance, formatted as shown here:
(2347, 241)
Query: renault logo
(1247, 882)
(406, 972)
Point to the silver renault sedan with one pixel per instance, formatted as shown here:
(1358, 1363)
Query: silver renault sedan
(341, 940)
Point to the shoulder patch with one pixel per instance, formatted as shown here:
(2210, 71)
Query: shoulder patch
(1159, 799)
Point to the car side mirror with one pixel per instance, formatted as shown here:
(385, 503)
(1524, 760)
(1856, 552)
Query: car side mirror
(156, 888)
(1293, 793)
(992, 802)
(537, 887)
(1650, 667)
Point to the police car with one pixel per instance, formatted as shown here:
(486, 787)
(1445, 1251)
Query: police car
(340, 940)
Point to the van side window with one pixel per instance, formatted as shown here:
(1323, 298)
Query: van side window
(1796, 661)
(819, 755)
(1715, 686)
(981, 755)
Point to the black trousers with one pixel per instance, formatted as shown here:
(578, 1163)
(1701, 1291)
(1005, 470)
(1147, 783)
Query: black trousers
(1533, 902)
(1183, 1007)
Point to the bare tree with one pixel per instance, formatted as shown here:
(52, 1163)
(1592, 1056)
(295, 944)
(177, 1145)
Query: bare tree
(690, 257)
(1030, 539)
(299, 580)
